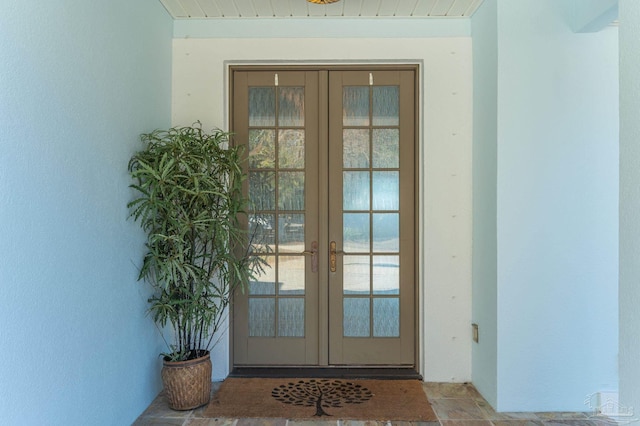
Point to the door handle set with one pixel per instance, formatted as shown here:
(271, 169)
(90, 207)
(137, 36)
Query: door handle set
(333, 256)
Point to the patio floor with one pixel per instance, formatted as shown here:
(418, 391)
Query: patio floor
(454, 404)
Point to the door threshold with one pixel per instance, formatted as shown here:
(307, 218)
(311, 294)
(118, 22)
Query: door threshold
(327, 373)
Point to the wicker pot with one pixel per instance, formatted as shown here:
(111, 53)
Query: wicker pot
(187, 384)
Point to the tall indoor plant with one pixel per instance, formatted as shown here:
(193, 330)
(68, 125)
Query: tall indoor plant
(189, 202)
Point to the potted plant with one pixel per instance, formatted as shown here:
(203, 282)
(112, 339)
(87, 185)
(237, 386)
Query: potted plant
(190, 202)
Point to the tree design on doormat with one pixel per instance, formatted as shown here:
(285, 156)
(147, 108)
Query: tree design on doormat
(321, 394)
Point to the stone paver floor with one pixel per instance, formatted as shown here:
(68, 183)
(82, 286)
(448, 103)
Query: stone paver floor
(454, 405)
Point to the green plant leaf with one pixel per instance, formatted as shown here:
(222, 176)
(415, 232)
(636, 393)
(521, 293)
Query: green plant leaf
(189, 198)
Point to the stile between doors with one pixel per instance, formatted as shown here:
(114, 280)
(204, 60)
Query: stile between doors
(331, 166)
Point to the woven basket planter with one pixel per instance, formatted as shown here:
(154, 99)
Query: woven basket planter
(187, 384)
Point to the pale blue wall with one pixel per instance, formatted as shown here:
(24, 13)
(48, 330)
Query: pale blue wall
(79, 80)
(591, 15)
(545, 292)
(630, 205)
(485, 167)
(557, 212)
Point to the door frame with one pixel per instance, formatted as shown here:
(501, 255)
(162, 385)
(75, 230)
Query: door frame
(323, 356)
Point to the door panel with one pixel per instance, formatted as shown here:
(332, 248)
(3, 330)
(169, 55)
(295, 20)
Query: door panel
(276, 319)
(371, 217)
(331, 174)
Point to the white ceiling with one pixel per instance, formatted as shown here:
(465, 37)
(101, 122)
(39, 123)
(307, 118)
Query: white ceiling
(202, 9)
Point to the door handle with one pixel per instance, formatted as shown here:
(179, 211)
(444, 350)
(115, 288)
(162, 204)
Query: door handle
(314, 256)
(333, 261)
(333, 256)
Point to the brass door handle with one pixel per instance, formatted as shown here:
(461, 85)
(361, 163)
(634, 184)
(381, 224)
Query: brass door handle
(314, 256)
(333, 261)
(333, 256)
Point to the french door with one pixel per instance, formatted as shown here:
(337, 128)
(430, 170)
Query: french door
(331, 163)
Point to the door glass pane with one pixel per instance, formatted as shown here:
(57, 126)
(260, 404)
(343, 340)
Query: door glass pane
(262, 190)
(262, 106)
(291, 108)
(355, 231)
(265, 282)
(356, 317)
(291, 317)
(261, 232)
(357, 275)
(355, 190)
(386, 106)
(386, 232)
(386, 191)
(386, 152)
(259, 288)
(386, 274)
(291, 233)
(291, 149)
(262, 317)
(291, 190)
(386, 317)
(262, 154)
(291, 275)
(355, 152)
(355, 105)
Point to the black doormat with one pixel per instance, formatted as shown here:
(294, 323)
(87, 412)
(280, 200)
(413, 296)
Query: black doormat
(328, 373)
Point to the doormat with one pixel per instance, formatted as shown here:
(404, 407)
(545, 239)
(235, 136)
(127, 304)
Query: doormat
(321, 399)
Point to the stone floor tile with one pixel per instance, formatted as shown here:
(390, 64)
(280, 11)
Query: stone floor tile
(158, 421)
(385, 423)
(210, 422)
(466, 423)
(491, 414)
(457, 409)
(312, 422)
(198, 413)
(261, 422)
(160, 408)
(450, 390)
(518, 422)
(604, 421)
(562, 415)
(571, 422)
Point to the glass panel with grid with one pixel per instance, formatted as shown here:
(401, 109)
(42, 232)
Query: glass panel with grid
(371, 211)
(277, 222)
